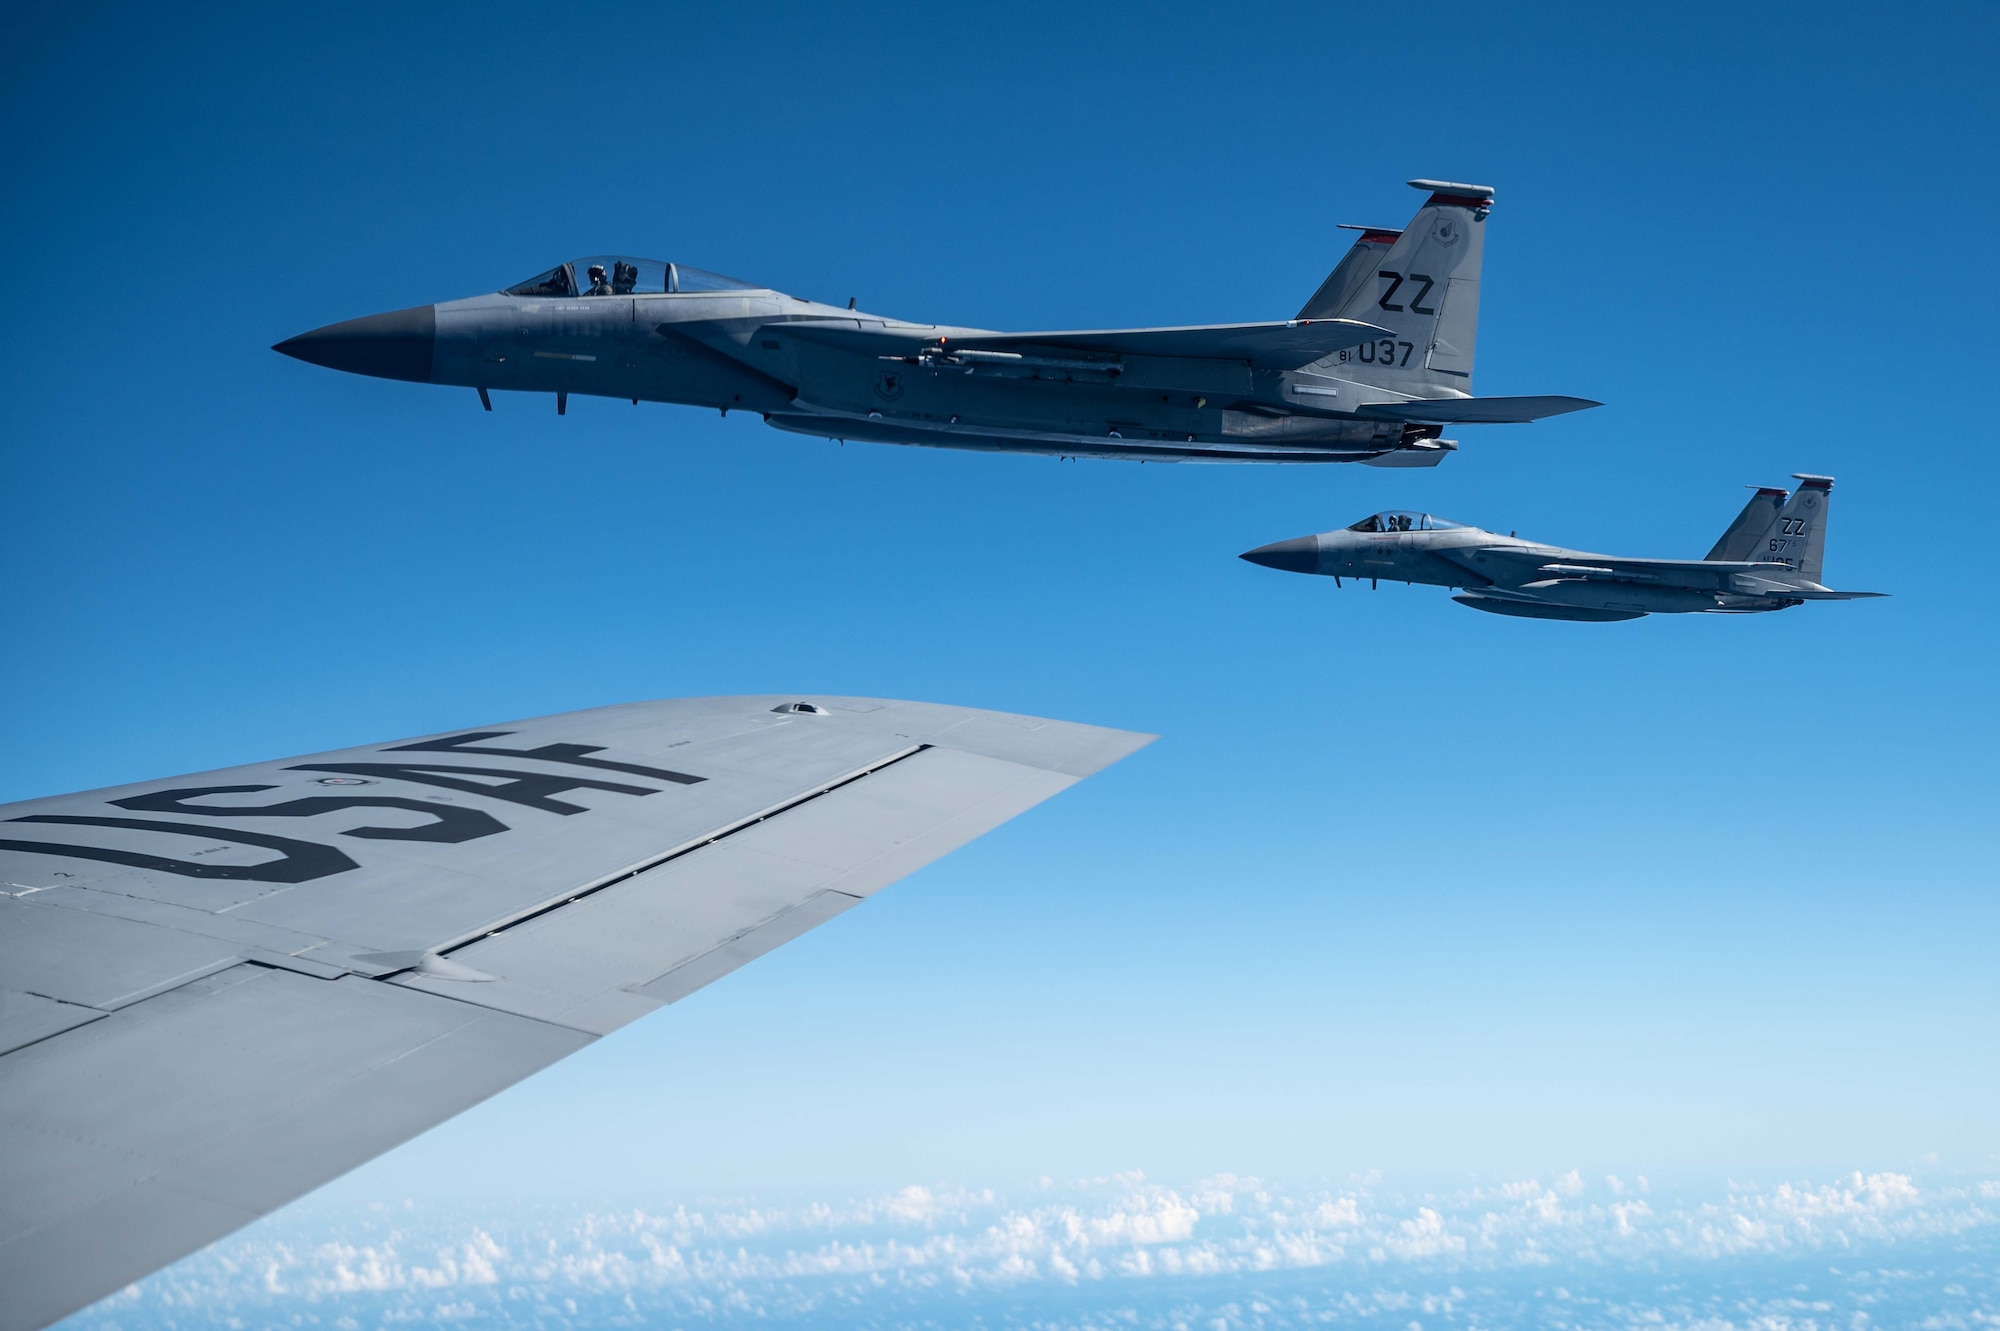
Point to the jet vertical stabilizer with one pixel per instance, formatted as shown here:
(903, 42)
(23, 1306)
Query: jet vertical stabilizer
(1796, 534)
(1354, 274)
(1422, 284)
(1747, 532)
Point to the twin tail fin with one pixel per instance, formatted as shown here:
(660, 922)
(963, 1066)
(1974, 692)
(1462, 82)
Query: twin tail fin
(1422, 284)
(1781, 527)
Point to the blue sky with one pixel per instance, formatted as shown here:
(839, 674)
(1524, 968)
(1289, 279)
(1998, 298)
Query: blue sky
(1403, 887)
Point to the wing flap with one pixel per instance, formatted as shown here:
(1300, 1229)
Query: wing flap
(166, 1125)
(701, 971)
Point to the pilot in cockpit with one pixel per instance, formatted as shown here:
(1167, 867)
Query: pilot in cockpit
(599, 284)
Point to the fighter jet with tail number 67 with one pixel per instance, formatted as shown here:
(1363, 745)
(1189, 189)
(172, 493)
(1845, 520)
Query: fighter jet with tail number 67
(1373, 369)
(1769, 559)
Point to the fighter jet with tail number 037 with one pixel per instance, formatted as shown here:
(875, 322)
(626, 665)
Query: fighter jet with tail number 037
(1373, 369)
(1769, 559)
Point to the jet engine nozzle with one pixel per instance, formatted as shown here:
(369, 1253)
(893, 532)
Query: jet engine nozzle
(398, 345)
(1298, 555)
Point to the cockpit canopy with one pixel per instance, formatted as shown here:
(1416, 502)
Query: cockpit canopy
(622, 275)
(1397, 519)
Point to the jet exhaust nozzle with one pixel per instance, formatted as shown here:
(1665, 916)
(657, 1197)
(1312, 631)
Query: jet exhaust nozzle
(398, 345)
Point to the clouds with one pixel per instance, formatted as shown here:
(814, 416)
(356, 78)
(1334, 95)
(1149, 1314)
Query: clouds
(1423, 1235)
(1107, 1240)
(347, 1268)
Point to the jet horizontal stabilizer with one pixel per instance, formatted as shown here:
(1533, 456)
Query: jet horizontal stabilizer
(1474, 410)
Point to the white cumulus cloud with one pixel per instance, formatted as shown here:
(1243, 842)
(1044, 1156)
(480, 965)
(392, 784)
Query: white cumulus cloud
(722, 1259)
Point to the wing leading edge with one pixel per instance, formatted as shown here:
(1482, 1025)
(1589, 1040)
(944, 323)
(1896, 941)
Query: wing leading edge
(221, 991)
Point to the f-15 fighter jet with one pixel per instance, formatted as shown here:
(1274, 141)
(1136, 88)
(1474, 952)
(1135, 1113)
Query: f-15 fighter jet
(1372, 369)
(1770, 558)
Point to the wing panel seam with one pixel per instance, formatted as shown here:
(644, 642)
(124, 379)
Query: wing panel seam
(687, 848)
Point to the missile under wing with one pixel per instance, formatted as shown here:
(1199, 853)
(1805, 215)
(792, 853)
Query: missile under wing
(218, 992)
(1373, 369)
(1770, 558)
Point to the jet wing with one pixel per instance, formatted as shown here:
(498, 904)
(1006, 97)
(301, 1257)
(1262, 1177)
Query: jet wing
(1276, 346)
(1691, 574)
(1474, 410)
(1742, 577)
(1271, 346)
(218, 992)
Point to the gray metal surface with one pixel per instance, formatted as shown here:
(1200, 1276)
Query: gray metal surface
(645, 940)
(219, 991)
(26, 1018)
(141, 1137)
(1769, 558)
(1375, 366)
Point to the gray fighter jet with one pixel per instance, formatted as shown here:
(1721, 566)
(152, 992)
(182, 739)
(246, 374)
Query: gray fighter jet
(1373, 369)
(1770, 558)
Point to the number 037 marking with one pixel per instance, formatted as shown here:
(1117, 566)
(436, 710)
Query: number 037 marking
(1383, 352)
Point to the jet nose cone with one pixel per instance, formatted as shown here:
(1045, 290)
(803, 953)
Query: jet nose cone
(1299, 555)
(389, 346)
